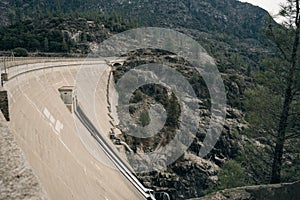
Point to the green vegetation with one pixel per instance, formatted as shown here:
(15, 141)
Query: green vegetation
(270, 152)
(24, 34)
(173, 112)
(262, 105)
(20, 52)
(54, 32)
(255, 158)
(232, 175)
(137, 96)
(144, 118)
(273, 105)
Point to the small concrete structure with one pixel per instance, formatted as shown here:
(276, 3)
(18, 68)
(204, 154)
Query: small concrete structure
(67, 94)
(70, 164)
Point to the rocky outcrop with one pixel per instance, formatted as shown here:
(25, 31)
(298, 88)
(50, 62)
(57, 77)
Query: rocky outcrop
(288, 191)
(185, 178)
(190, 175)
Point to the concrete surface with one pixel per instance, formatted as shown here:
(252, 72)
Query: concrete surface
(53, 142)
(17, 180)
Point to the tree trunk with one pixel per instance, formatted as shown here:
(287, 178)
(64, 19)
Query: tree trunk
(277, 160)
(288, 98)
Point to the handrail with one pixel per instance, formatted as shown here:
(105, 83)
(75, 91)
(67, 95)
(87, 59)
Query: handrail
(147, 193)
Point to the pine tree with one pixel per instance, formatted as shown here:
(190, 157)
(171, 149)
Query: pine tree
(64, 46)
(144, 118)
(46, 44)
(290, 56)
(274, 105)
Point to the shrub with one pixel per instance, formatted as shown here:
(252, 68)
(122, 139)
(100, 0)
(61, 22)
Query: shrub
(20, 52)
(145, 118)
(232, 175)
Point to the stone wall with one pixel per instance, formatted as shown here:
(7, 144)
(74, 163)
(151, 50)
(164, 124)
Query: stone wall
(287, 191)
(17, 180)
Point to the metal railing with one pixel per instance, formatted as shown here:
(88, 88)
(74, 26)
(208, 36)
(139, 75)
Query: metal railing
(147, 193)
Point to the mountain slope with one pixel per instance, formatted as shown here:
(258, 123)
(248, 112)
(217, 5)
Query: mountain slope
(204, 15)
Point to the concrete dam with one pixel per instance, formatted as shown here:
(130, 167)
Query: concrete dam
(63, 154)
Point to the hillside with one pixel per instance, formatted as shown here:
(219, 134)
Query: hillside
(213, 23)
(204, 15)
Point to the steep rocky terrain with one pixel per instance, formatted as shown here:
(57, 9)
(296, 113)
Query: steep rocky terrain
(204, 15)
(191, 175)
(235, 46)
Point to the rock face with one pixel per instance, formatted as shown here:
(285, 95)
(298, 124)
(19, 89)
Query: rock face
(190, 175)
(17, 180)
(288, 191)
(186, 178)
